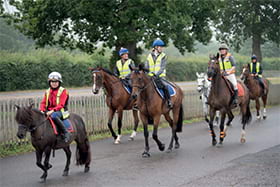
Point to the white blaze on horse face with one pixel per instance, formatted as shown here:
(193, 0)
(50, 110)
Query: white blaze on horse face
(94, 82)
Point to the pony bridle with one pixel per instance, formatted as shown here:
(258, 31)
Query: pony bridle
(31, 129)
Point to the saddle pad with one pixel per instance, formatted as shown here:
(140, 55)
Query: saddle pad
(241, 90)
(66, 123)
(170, 87)
(127, 88)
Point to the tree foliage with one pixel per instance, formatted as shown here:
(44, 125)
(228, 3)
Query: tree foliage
(116, 23)
(240, 20)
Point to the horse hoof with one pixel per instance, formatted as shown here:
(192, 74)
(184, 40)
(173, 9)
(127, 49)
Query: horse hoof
(242, 140)
(86, 169)
(131, 139)
(162, 147)
(177, 146)
(220, 143)
(65, 173)
(258, 117)
(264, 117)
(42, 180)
(146, 154)
(49, 167)
(214, 142)
(116, 142)
(169, 150)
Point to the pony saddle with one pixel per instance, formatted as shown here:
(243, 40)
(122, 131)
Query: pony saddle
(66, 122)
(230, 86)
(159, 85)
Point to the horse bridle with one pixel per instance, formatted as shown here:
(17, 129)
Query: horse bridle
(32, 128)
(97, 71)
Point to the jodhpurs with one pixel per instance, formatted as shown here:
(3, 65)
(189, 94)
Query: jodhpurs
(233, 80)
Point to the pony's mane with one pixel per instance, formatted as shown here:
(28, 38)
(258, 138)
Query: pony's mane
(24, 115)
(109, 72)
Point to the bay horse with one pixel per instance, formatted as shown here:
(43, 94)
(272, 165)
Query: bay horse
(152, 106)
(255, 89)
(220, 98)
(117, 99)
(204, 87)
(44, 139)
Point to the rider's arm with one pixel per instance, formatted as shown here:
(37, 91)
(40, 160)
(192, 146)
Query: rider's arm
(116, 71)
(162, 66)
(233, 64)
(63, 99)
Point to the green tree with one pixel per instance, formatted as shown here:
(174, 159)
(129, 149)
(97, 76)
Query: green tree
(240, 20)
(84, 24)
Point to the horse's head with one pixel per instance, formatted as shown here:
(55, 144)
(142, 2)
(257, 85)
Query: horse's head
(201, 81)
(97, 79)
(137, 79)
(213, 66)
(245, 72)
(24, 120)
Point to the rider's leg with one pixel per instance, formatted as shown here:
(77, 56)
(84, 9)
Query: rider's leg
(261, 83)
(233, 80)
(56, 117)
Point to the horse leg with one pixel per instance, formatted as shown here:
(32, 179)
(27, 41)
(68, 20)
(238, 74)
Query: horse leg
(217, 118)
(146, 153)
(39, 155)
(212, 132)
(230, 118)
(222, 133)
(136, 122)
(68, 159)
(161, 146)
(174, 135)
(111, 116)
(264, 99)
(258, 108)
(205, 110)
(46, 163)
(120, 115)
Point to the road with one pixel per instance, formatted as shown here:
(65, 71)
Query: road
(74, 91)
(196, 163)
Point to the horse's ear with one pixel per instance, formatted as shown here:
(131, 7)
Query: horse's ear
(197, 74)
(141, 66)
(17, 107)
(217, 56)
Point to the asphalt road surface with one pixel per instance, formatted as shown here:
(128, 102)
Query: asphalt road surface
(196, 163)
(75, 91)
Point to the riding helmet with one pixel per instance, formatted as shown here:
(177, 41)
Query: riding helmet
(123, 51)
(158, 42)
(55, 76)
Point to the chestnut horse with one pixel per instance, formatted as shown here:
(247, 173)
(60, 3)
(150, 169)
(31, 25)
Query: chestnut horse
(255, 89)
(117, 99)
(220, 98)
(152, 106)
(44, 139)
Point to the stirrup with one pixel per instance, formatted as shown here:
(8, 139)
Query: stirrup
(66, 137)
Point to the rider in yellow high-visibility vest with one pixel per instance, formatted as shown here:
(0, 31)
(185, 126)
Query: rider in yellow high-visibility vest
(156, 64)
(122, 66)
(227, 66)
(255, 69)
(54, 103)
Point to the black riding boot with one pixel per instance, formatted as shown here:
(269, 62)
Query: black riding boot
(59, 124)
(167, 95)
(262, 85)
(235, 99)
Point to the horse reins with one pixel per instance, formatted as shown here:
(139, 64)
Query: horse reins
(33, 128)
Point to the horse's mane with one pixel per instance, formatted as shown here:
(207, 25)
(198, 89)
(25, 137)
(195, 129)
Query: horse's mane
(24, 115)
(109, 72)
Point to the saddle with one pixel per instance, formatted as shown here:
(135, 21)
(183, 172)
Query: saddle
(241, 91)
(126, 86)
(67, 123)
(159, 87)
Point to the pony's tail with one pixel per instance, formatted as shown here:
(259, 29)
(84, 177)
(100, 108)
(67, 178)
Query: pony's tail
(247, 117)
(180, 119)
(83, 154)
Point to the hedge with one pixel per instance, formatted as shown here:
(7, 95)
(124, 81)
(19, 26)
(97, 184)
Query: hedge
(27, 71)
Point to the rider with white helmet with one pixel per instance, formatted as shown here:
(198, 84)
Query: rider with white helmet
(54, 103)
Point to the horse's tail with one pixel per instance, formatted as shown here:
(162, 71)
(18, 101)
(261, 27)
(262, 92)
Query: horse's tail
(247, 117)
(83, 154)
(180, 119)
